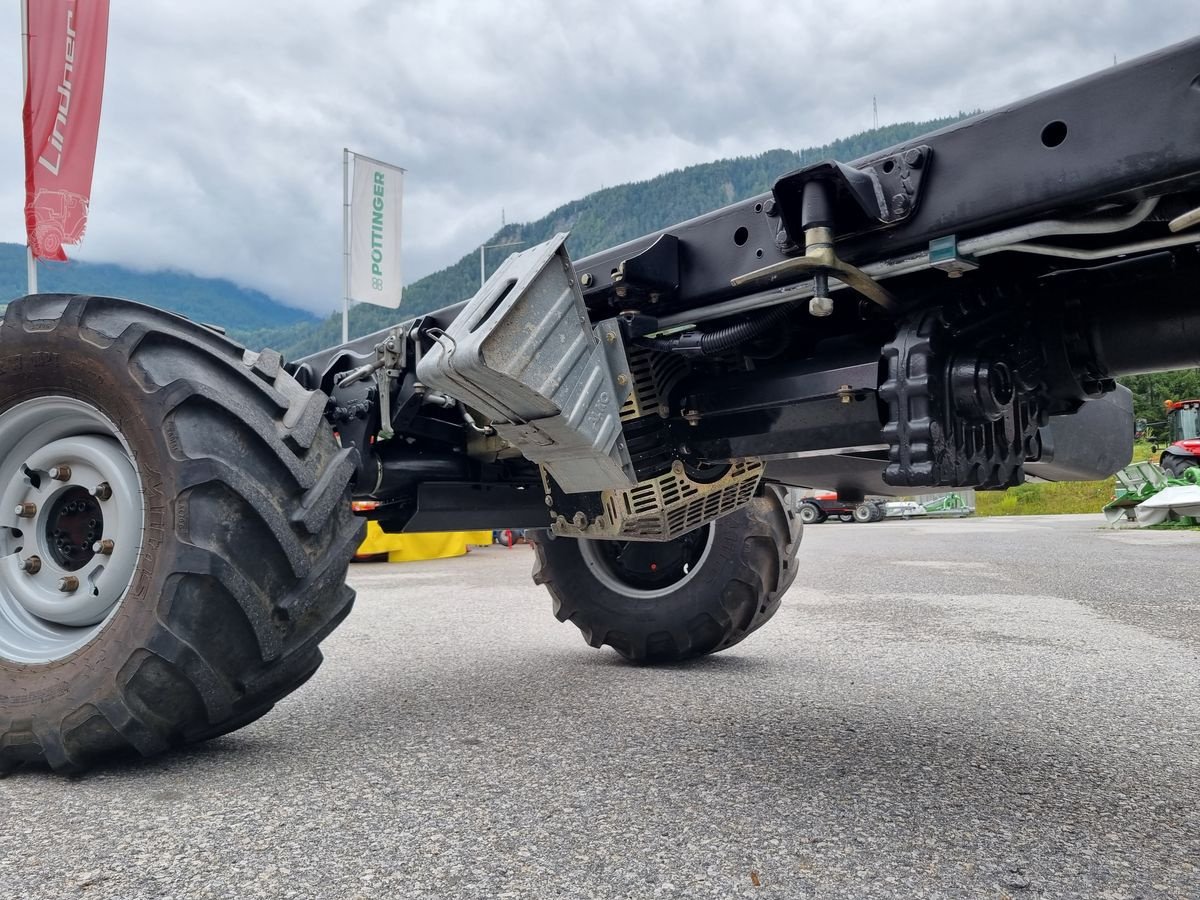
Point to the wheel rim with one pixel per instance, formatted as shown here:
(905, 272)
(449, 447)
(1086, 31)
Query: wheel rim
(70, 526)
(631, 568)
(862, 514)
(808, 515)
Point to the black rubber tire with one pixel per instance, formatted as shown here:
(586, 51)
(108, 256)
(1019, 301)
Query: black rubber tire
(810, 514)
(737, 589)
(247, 539)
(1176, 465)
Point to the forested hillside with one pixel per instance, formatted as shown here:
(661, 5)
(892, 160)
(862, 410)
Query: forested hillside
(240, 310)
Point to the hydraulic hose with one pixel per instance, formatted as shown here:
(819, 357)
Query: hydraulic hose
(719, 340)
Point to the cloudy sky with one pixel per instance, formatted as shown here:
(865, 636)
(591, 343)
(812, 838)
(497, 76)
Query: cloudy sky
(220, 142)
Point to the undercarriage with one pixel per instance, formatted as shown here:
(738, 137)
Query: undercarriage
(951, 312)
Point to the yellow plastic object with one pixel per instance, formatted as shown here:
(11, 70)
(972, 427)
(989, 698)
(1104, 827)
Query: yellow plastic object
(409, 547)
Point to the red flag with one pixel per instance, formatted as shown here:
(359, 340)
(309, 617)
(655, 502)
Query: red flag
(67, 44)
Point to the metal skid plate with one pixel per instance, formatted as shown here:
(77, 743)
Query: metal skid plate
(524, 354)
(657, 509)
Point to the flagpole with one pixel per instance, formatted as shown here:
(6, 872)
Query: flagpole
(30, 262)
(346, 244)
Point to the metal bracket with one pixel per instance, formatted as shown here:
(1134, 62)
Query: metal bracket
(821, 259)
(884, 192)
(944, 255)
(655, 269)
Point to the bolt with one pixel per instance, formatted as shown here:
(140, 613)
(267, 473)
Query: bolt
(587, 279)
(102, 491)
(622, 291)
(622, 379)
(845, 393)
(549, 500)
(820, 307)
(691, 416)
(61, 472)
(68, 583)
(104, 546)
(580, 520)
(770, 208)
(914, 157)
(26, 510)
(31, 565)
(610, 336)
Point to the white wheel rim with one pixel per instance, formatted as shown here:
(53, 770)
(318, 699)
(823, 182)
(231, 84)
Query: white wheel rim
(600, 567)
(73, 535)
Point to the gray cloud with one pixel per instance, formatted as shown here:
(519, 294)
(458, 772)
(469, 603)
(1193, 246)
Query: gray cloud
(220, 144)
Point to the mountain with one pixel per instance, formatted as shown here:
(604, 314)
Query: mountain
(243, 312)
(603, 219)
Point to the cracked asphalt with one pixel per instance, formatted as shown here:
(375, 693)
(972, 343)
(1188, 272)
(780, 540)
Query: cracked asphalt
(976, 708)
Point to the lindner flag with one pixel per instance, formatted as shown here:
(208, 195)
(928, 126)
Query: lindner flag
(375, 232)
(66, 49)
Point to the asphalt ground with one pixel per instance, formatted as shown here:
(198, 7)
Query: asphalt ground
(977, 708)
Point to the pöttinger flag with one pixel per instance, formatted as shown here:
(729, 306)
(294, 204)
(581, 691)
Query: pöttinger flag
(67, 42)
(375, 232)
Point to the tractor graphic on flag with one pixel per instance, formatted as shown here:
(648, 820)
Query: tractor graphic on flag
(61, 218)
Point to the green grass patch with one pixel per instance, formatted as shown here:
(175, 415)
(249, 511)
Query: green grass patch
(1061, 498)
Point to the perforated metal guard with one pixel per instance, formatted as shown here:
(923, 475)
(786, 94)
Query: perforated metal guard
(654, 374)
(663, 508)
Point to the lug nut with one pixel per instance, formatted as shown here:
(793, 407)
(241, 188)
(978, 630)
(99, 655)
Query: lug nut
(31, 565)
(27, 510)
(105, 546)
(68, 583)
(102, 491)
(61, 472)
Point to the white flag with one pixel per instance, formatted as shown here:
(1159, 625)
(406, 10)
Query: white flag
(375, 232)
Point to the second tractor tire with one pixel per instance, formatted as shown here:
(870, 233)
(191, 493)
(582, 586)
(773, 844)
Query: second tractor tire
(745, 563)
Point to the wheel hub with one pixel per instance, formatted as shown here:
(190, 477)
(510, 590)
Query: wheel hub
(74, 526)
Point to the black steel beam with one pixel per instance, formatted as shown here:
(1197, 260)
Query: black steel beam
(1129, 131)
(468, 506)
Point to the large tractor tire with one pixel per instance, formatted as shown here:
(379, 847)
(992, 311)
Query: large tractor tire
(662, 602)
(175, 529)
(1176, 465)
